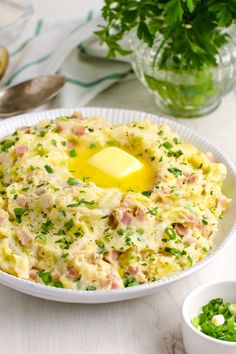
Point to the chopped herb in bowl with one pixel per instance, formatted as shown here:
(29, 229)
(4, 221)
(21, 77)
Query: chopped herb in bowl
(218, 320)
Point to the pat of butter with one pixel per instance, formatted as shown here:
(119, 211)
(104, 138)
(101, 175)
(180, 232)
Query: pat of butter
(115, 162)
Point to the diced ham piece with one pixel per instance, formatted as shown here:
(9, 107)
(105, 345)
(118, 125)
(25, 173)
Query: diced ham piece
(190, 178)
(40, 191)
(111, 257)
(35, 250)
(3, 219)
(70, 145)
(115, 283)
(21, 201)
(193, 179)
(181, 229)
(139, 213)
(190, 218)
(186, 232)
(78, 130)
(61, 127)
(55, 274)
(24, 236)
(188, 238)
(221, 204)
(72, 273)
(21, 149)
(126, 218)
(77, 115)
(133, 270)
(210, 156)
(33, 274)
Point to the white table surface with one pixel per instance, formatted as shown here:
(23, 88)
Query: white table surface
(150, 325)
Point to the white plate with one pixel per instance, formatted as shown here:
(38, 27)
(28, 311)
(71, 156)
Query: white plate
(225, 234)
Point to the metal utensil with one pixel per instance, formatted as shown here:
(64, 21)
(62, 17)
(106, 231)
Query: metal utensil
(4, 60)
(29, 94)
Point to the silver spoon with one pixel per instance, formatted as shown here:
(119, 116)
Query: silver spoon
(29, 94)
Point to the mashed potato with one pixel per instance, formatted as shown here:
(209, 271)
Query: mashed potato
(59, 227)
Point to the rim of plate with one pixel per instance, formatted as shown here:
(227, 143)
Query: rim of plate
(119, 115)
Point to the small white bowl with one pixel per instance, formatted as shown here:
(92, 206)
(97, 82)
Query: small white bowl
(196, 342)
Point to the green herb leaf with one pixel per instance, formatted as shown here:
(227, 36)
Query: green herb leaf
(72, 153)
(91, 288)
(170, 232)
(130, 282)
(146, 193)
(175, 171)
(72, 181)
(48, 169)
(167, 145)
(46, 277)
(18, 214)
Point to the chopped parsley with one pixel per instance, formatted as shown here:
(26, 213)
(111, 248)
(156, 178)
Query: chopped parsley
(45, 227)
(170, 232)
(205, 322)
(42, 238)
(92, 146)
(101, 247)
(130, 282)
(91, 288)
(47, 279)
(175, 171)
(153, 211)
(18, 214)
(64, 243)
(72, 153)
(73, 205)
(190, 260)
(69, 224)
(54, 142)
(72, 181)
(175, 252)
(146, 193)
(176, 141)
(48, 169)
(167, 145)
(79, 232)
(204, 220)
(6, 144)
(40, 149)
(42, 133)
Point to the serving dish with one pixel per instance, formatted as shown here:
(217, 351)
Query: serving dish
(195, 341)
(226, 231)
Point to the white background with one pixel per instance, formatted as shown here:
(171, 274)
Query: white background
(149, 325)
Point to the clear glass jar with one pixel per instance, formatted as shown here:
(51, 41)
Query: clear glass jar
(182, 93)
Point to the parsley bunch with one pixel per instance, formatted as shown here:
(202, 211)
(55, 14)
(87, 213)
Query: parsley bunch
(190, 32)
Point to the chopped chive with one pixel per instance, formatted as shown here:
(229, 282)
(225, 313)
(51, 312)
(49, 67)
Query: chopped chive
(72, 153)
(48, 169)
(72, 181)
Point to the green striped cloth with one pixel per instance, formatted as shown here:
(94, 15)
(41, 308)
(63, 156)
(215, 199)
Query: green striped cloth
(51, 47)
